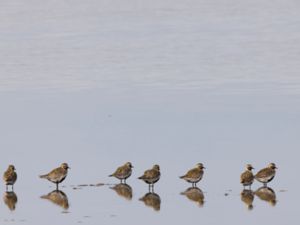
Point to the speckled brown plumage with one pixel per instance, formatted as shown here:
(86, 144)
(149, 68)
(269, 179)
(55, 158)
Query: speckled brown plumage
(267, 174)
(123, 172)
(10, 176)
(247, 176)
(194, 175)
(151, 176)
(57, 175)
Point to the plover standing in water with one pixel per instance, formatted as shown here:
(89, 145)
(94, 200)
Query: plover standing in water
(247, 177)
(267, 174)
(194, 175)
(10, 176)
(151, 176)
(57, 175)
(123, 172)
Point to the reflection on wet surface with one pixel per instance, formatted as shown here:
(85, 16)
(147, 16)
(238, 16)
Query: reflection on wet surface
(10, 199)
(266, 194)
(247, 196)
(123, 190)
(58, 197)
(194, 194)
(152, 200)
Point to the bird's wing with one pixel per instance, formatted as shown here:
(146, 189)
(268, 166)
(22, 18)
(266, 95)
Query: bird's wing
(55, 173)
(264, 172)
(246, 176)
(193, 173)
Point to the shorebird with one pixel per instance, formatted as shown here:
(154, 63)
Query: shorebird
(57, 175)
(267, 174)
(123, 172)
(10, 176)
(247, 176)
(151, 176)
(194, 175)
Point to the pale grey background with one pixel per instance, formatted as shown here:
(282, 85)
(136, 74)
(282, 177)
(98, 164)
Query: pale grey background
(97, 83)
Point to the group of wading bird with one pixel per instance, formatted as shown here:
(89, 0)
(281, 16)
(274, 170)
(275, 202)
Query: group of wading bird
(150, 176)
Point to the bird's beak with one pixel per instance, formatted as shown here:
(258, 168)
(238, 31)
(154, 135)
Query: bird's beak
(69, 168)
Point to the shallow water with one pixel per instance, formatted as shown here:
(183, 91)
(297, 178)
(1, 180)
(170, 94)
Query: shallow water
(99, 83)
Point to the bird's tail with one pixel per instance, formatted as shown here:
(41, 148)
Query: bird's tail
(43, 176)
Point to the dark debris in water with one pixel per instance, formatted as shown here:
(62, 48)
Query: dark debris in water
(80, 186)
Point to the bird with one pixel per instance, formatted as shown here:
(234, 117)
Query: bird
(247, 176)
(266, 194)
(194, 194)
(267, 174)
(58, 197)
(57, 175)
(151, 176)
(10, 199)
(123, 172)
(247, 196)
(10, 176)
(194, 175)
(123, 190)
(152, 200)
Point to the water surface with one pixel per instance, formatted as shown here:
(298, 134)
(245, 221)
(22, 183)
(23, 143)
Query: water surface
(99, 83)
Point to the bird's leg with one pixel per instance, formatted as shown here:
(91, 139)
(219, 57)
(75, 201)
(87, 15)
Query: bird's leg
(57, 186)
(6, 187)
(12, 187)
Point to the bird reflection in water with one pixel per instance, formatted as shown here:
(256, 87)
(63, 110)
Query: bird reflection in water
(247, 196)
(10, 199)
(152, 200)
(58, 197)
(266, 194)
(123, 190)
(194, 194)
